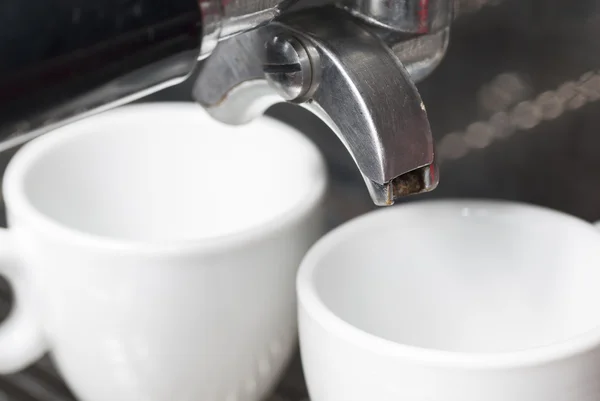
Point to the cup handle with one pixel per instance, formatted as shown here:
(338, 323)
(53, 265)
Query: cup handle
(21, 338)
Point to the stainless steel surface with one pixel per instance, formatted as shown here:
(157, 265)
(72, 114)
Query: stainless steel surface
(420, 55)
(223, 19)
(85, 60)
(360, 62)
(288, 67)
(358, 86)
(411, 16)
(242, 15)
(212, 17)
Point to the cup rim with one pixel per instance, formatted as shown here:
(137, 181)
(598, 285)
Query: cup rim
(312, 305)
(19, 205)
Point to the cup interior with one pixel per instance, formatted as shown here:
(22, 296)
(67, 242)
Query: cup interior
(468, 277)
(167, 172)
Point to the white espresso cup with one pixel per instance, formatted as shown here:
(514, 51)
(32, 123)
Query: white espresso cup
(453, 301)
(153, 252)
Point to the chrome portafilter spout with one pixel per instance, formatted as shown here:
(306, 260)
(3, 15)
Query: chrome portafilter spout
(354, 64)
(348, 72)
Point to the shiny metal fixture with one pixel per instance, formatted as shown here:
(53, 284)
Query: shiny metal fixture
(334, 65)
(411, 16)
(243, 15)
(223, 19)
(354, 64)
(288, 67)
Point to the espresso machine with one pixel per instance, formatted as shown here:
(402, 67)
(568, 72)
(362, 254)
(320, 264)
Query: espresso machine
(507, 108)
(354, 64)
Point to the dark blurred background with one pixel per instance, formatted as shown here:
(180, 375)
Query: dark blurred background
(514, 106)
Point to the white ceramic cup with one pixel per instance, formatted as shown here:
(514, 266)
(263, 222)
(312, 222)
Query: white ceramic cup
(453, 301)
(153, 252)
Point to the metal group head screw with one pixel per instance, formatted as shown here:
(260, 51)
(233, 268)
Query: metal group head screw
(289, 68)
